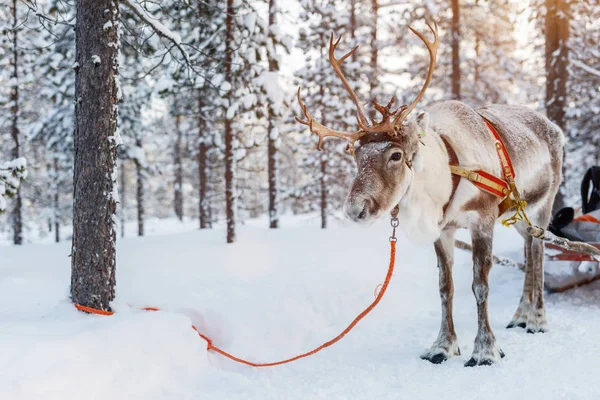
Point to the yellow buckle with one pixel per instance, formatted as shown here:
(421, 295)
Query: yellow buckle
(473, 176)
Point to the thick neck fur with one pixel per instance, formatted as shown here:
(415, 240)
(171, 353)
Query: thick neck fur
(421, 208)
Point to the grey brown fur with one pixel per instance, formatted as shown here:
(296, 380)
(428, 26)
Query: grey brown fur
(535, 146)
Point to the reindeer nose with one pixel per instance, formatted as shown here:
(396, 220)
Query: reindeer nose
(363, 213)
(357, 210)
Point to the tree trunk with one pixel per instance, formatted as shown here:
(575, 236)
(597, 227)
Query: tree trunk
(273, 153)
(323, 182)
(178, 168)
(323, 154)
(477, 55)
(17, 213)
(93, 253)
(557, 60)
(455, 32)
(230, 195)
(122, 197)
(56, 203)
(140, 192)
(373, 77)
(202, 168)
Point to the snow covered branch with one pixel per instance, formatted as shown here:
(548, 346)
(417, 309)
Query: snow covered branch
(11, 175)
(586, 67)
(158, 28)
(41, 16)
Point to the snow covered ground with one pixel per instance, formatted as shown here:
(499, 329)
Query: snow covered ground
(272, 295)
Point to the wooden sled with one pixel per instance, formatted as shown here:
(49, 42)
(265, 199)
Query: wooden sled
(567, 269)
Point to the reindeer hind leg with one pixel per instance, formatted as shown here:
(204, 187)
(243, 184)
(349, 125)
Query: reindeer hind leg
(531, 313)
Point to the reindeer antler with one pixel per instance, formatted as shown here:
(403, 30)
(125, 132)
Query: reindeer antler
(322, 131)
(386, 125)
(337, 67)
(432, 47)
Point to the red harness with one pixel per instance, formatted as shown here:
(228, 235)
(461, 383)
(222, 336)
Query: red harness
(485, 181)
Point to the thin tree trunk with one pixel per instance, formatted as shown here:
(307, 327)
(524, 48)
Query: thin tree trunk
(229, 154)
(122, 197)
(323, 182)
(455, 32)
(557, 61)
(17, 213)
(203, 178)
(56, 202)
(477, 55)
(373, 77)
(273, 153)
(178, 186)
(139, 176)
(93, 253)
(323, 157)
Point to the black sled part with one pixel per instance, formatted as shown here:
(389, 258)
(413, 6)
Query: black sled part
(590, 200)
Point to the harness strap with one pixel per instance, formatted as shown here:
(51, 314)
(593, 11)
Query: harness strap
(501, 188)
(484, 181)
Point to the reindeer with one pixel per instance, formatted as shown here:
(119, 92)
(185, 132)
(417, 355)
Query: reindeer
(408, 163)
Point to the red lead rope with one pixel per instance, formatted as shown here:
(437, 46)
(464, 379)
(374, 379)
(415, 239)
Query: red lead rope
(360, 316)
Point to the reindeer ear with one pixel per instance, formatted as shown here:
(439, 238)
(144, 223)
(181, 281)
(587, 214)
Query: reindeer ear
(423, 120)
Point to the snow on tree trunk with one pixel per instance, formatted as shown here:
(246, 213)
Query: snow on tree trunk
(178, 168)
(56, 202)
(96, 138)
(229, 153)
(455, 32)
(17, 216)
(273, 153)
(139, 196)
(122, 196)
(557, 61)
(203, 212)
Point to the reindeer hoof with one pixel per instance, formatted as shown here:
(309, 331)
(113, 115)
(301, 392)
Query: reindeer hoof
(536, 329)
(441, 350)
(485, 354)
(484, 361)
(435, 358)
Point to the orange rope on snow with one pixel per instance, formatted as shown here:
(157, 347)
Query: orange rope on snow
(360, 316)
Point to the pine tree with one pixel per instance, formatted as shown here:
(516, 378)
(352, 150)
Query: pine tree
(55, 130)
(95, 200)
(583, 113)
(329, 102)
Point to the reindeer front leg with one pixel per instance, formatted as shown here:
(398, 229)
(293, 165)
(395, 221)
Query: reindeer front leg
(485, 350)
(446, 344)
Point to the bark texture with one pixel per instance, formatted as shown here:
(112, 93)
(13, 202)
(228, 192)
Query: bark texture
(203, 204)
(94, 204)
(56, 203)
(139, 195)
(229, 155)
(455, 32)
(273, 153)
(178, 185)
(17, 213)
(122, 196)
(557, 74)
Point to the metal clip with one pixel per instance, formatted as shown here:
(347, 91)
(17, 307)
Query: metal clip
(394, 222)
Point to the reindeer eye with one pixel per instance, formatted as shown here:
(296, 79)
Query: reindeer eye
(397, 156)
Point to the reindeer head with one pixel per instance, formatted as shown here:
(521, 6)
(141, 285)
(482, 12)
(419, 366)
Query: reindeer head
(386, 148)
